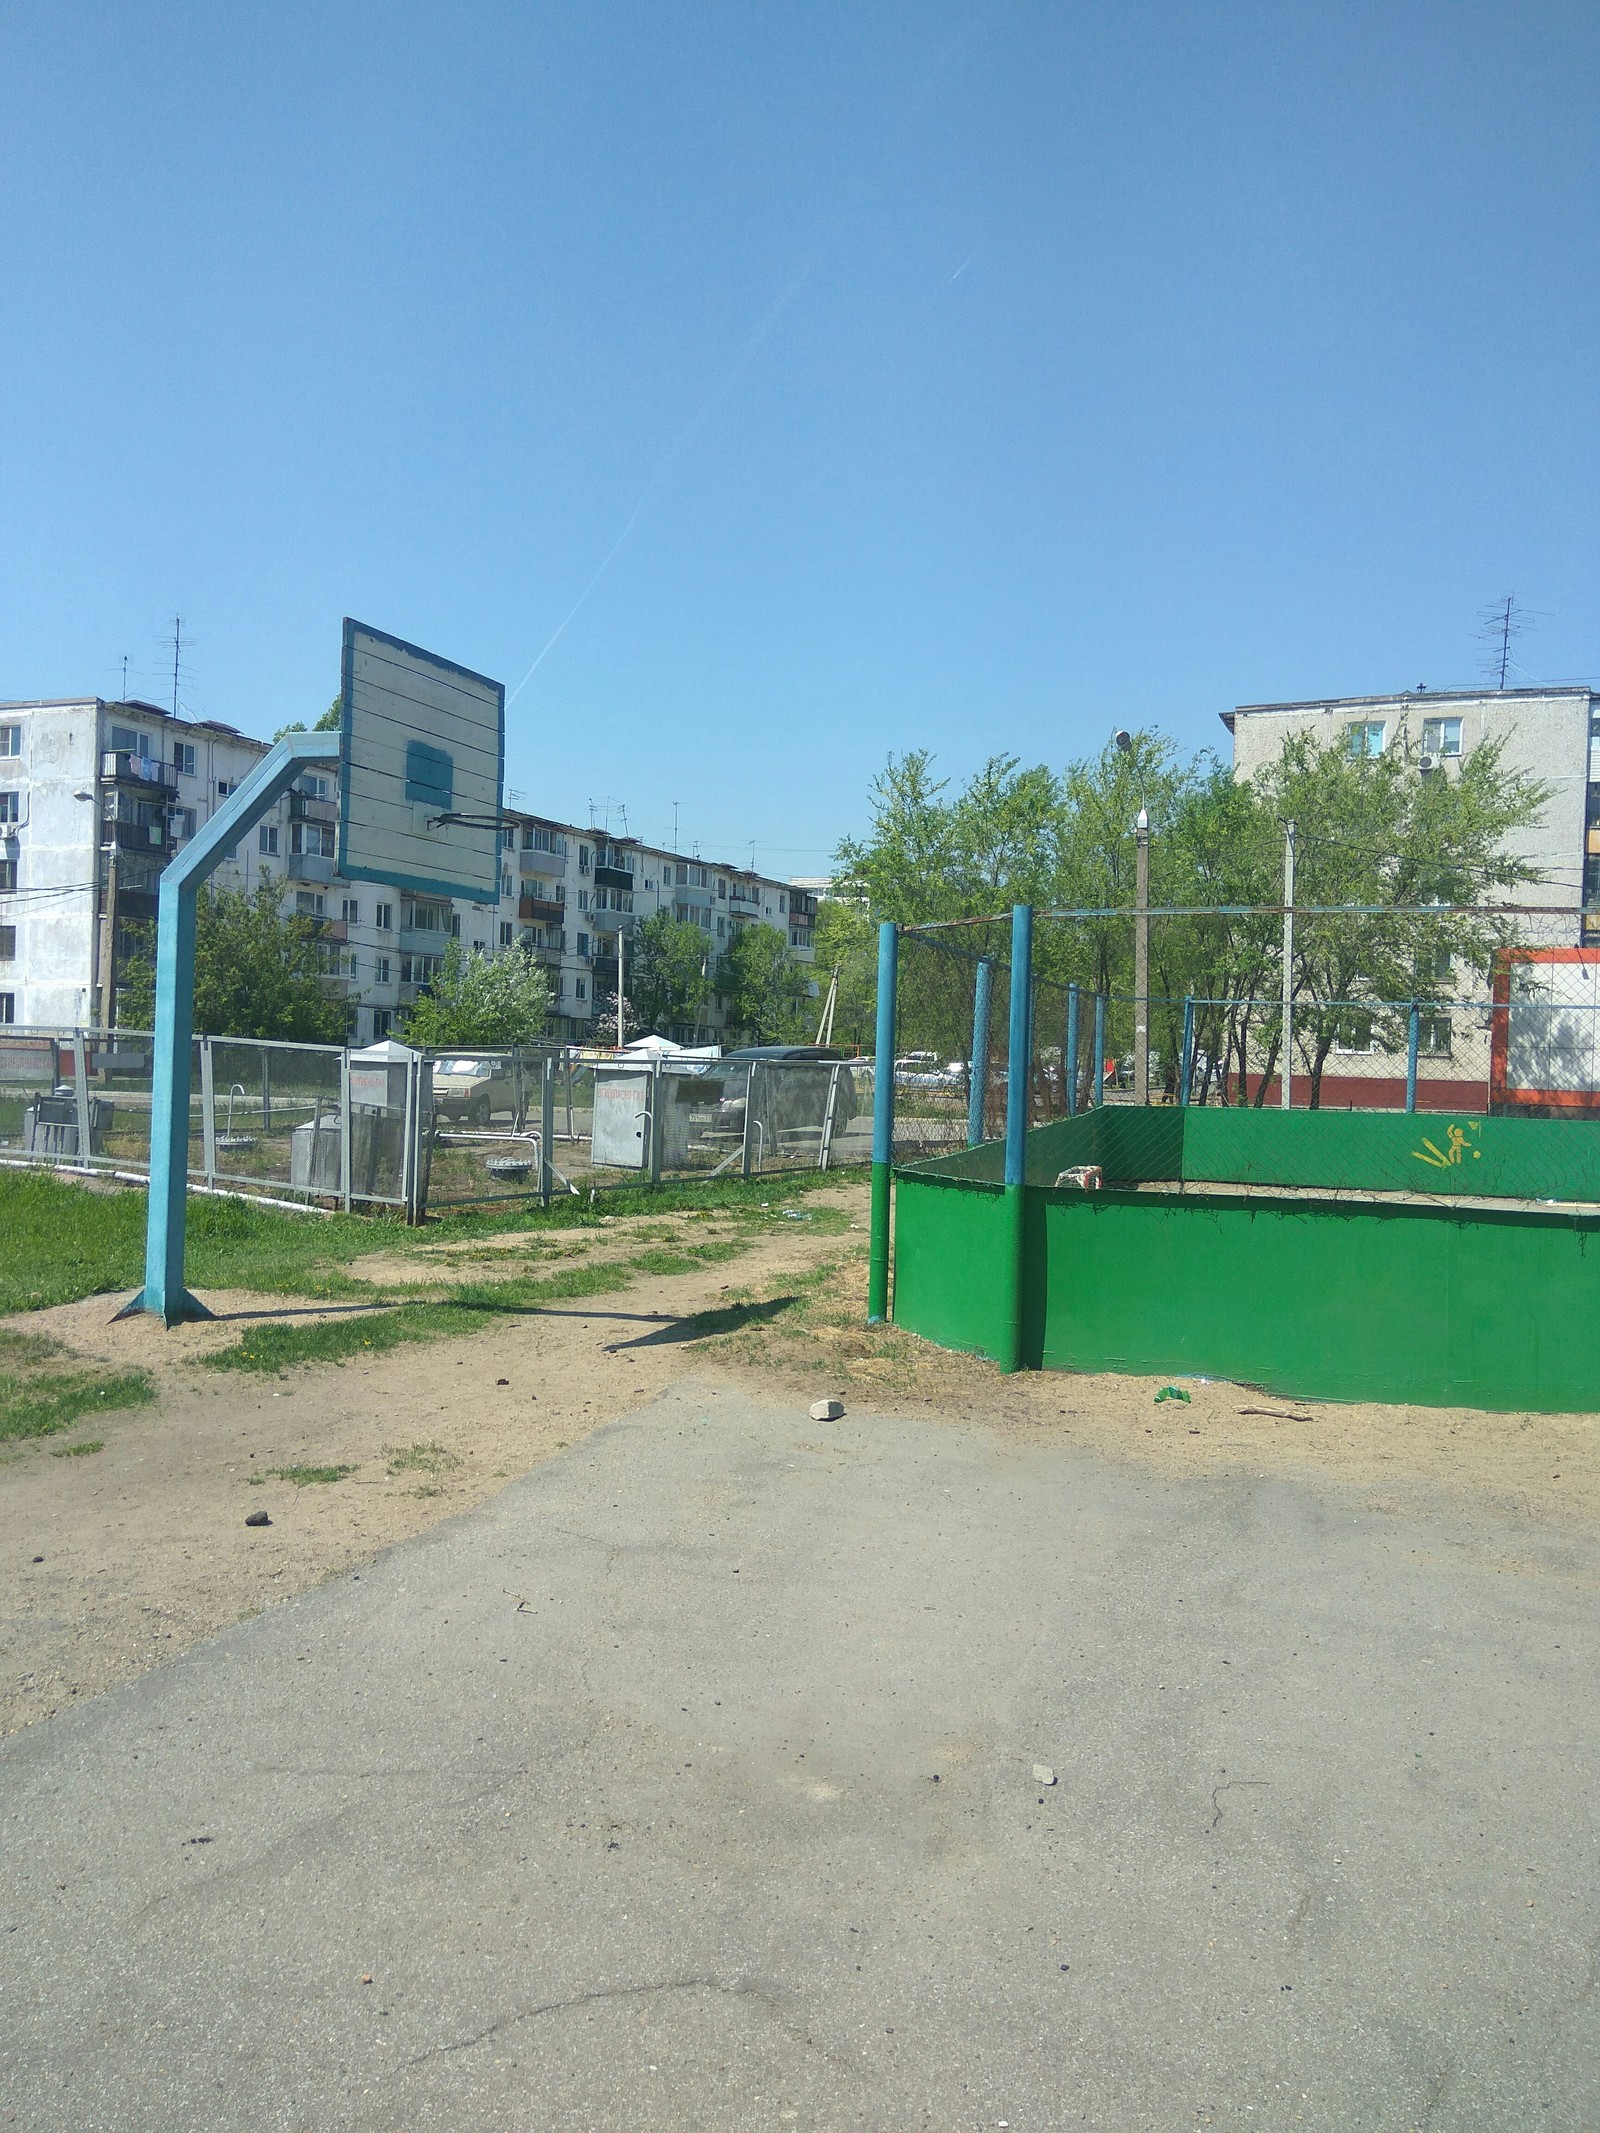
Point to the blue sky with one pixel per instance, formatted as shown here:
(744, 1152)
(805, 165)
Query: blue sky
(975, 378)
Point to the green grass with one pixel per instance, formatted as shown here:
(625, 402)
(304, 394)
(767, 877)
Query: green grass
(425, 1458)
(79, 1451)
(305, 1477)
(41, 1395)
(64, 1242)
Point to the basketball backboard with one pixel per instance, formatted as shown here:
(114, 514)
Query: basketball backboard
(420, 739)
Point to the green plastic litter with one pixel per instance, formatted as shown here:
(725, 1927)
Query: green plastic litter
(1172, 1392)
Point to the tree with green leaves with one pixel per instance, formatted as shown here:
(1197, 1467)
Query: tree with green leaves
(256, 973)
(846, 943)
(481, 1001)
(329, 722)
(765, 992)
(668, 978)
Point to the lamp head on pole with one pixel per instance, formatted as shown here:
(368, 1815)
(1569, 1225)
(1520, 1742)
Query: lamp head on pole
(1143, 823)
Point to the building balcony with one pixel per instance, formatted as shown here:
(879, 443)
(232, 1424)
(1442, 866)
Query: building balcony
(748, 897)
(309, 866)
(331, 929)
(534, 910)
(303, 808)
(135, 836)
(137, 906)
(338, 986)
(145, 772)
(552, 865)
(613, 877)
(422, 940)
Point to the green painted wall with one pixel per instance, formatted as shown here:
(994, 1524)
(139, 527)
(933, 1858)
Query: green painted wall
(1345, 1300)
(950, 1241)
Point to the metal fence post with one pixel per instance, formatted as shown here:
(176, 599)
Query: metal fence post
(1074, 1010)
(749, 1118)
(883, 1122)
(208, 1110)
(80, 1084)
(1018, 1079)
(1099, 1049)
(825, 1143)
(654, 1121)
(1413, 1045)
(978, 1070)
(1186, 1068)
(344, 1128)
(547, 1129)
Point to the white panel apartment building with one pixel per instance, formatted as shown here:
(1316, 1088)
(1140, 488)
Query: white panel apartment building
(95, 797)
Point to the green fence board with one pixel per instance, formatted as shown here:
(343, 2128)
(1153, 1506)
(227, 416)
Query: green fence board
(950, 1243)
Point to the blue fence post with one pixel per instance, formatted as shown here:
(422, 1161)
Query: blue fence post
(1413, 1042)
(1187, 1070)
(978, 1070)
(882, 1123)
(1019, 1076)
(1073, 1011)
(1099, 1049)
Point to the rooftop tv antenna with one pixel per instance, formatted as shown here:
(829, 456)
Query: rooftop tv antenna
(674, 825)
(1502, 625)
(177, 647)
(124, 677)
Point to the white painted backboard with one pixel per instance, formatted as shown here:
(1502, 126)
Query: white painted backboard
(420, 737)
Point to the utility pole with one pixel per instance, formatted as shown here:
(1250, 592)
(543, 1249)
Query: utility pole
(621, 997)
(1141, 963)
(108, 940)
(1286, 1071)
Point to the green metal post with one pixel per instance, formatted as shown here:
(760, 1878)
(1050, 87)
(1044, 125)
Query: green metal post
(1186, 1064)
(1019, 1075)
(883, 1123)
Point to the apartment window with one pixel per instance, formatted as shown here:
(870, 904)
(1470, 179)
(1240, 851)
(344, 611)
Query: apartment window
(383, 918)
(508, 839)
(580, 989)
(226, 786)
(1354, 1033)
(1365, 737)
(380, 970)
(535, 839)
(722, 928)
(8, 873)
(583, 944)
(180, 820)
(8, 944)
(583, 899)
(783, 902)
(455, 925)
(314, 840)
(126, 742)
(722, 885)
(507, 886)
(267, 840)
(419, 969)
(10, 740)
(583, 859)
(309, 903)
(382, 1021)
(423, 915)
(10, 808)
(507, 932)
(8, 1007)
(1434, 1036)
(183, 758)
(313, 787)
(350, 911)
(1441, 736)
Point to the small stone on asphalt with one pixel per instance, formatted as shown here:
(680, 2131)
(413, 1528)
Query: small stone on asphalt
(826, 1410)
(1043, 1774)
(258, 1518)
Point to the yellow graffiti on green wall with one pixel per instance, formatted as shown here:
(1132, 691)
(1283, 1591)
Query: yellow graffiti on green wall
(1455, 1149)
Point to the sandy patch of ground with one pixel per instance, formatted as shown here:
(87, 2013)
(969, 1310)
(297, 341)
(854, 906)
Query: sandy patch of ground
(144, 1547)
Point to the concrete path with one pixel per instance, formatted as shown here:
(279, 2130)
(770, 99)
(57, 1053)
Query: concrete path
(689, 1784)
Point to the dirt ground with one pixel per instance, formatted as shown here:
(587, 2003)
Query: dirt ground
(118, 1561)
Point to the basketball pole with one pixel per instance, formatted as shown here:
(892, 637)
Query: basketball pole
(164, 1295)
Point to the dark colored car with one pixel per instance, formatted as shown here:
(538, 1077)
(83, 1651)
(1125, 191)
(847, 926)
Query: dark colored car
(796, 1106)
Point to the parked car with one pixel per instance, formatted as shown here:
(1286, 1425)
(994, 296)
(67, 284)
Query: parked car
(472, 1088)
(925, 1070)
(799, 1102)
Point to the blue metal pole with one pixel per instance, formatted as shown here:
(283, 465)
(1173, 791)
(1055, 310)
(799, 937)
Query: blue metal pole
(978, 1072)
(1018, 1080)
(164, 1295)
(882, 1123)
(1413, 1044)
(1099, 1049)
(1187, 1069)
(1073, 1009)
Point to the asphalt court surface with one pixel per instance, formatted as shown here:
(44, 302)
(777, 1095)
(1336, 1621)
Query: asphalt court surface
(690, 1784)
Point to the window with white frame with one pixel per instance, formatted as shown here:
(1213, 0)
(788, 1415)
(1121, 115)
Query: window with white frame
(310, 903)
(1365, 737)
(126, 741)
(581, 989)
(183, 758)
(1435, 1038)
(383, 918)
(350, 911)
(226, 786)
(8, 1007)
(10, 740)
(8, 944)
(1441, 736)
(267, 840)
(507, 933)
(382, 1023)
(311, 840)
(10, 809)
(583, 944)
(1354, 1032)
(181, 820)
(380, 970)
(8, 873)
